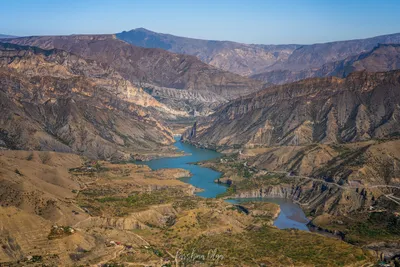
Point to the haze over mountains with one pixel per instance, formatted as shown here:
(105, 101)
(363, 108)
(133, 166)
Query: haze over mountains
(316, 124)
(7, 36)
(243, 59)
(273, 64)
(162, 73)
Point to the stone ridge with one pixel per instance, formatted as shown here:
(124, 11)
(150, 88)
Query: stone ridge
(360, 107)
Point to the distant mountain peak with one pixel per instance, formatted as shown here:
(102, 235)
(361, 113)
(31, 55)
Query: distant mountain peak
(7, 36)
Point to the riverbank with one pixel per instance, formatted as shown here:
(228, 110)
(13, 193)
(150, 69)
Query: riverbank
(205, 175)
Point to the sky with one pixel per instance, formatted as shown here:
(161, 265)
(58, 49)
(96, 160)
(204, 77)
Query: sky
(247, 21)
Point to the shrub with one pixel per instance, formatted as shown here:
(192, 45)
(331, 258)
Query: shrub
(45, 157)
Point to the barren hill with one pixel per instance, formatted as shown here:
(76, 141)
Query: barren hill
(55, 100)
(166, 75)
(360, 107)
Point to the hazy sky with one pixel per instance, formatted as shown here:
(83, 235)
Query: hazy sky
(249, 21)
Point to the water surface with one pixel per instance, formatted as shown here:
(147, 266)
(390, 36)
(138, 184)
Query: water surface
(291, 215)
(202, 178)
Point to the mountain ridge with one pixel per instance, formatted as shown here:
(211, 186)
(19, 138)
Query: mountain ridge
(318, 110)
(149, 67)
(252, 59)
(58, 101)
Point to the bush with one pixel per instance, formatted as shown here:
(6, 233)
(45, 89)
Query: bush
(45, 157)
(30, 156)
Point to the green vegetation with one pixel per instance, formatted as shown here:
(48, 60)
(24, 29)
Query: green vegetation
(18, 172)
(36, 258)
(294, 247)
(29, 157)
(45, 157)
(60, 231)
(230, 191)
(378, 226)
(99, 202)
(142, 199)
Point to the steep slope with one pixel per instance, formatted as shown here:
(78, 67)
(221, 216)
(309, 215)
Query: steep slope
(316, 55)
(54, 100)
(383, 57)
(326, 110)
(243, 59)
(276, 64)
(154, 69)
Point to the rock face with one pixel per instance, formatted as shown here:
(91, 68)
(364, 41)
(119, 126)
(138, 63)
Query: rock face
(383, 57)
(152, 68)
(324, 110)
(55, 100)
(314, 195)
(243, 59)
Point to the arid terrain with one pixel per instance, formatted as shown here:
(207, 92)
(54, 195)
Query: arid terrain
(316, 125)
(61, 209)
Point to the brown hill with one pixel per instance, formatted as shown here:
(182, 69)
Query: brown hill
(243, 59)
(54, 100)
(275, 63)
(362, 106)
(384, 57)
(155, 69)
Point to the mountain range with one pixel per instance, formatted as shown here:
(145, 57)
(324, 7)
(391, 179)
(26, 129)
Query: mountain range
(54, 100)
(360, 107)
(316, 124)
(163, 74)
(271, 63)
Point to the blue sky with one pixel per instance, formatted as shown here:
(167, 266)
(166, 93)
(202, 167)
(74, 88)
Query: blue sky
(250, 21)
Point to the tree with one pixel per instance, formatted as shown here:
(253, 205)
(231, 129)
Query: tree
(385, 168)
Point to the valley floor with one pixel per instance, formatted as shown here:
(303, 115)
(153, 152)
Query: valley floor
(62, 209)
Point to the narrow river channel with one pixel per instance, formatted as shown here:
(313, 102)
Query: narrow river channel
(291, 215)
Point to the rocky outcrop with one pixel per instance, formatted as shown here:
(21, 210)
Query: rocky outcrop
(196, 103)
(159, 68)
(54, 100)
(327, 110)
(160, 216)
(314, 196)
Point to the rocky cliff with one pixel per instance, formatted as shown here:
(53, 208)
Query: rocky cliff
(154, 67)
(55, 100)
(360, 107)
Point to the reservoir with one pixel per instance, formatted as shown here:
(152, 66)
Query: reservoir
(291, 215)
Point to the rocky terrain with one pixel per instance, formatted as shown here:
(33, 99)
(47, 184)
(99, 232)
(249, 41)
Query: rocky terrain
(243, 59)
(274, 64)
(361, 107)
(383, 57)
(54, 100)
(329, 144)
(350, 191)
(154, 69)
(60, 209)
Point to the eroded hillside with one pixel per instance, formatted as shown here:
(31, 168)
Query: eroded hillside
(54, 100)
(166, 75)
